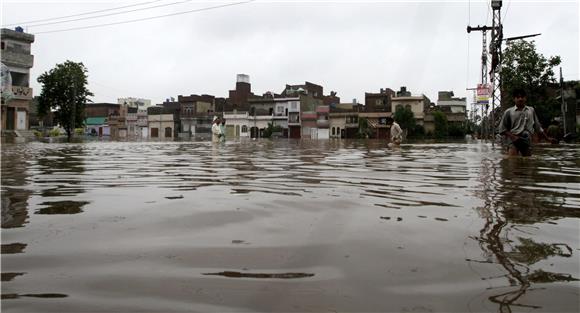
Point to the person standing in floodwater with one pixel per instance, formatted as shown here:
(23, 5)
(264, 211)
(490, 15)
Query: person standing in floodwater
(396, 131)
(215, 129)
(518, 125)
(223, 130)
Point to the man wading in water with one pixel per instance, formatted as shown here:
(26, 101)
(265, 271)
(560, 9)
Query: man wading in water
(396, 132)
(518, 124)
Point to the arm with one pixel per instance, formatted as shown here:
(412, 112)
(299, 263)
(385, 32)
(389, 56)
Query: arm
(505, 126)
(538, 128)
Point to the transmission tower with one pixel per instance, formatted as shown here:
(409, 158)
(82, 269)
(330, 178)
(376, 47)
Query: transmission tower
(496, 59)
(495, 51)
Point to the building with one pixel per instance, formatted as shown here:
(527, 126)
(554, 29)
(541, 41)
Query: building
(17, 57)
(239, 96)
(379, 102)
(196, 114)
(343, 120)
(160, 123)
(97, 126)
(454, 108)
(139, 103)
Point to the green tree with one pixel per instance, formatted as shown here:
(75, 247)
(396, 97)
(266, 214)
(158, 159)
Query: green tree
(64, 92)
(441, 127)
(406, 119)
(271, 129)
(523, 67)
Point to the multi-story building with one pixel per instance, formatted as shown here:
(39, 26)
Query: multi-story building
(196, 114)
(17, 57)
(160, 123)
(138, 103)
(379, 102)
(131, 120)
(238, 97)
(343, 120)
(454, 108)
(100, 116)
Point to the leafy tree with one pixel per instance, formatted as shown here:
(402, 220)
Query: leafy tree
(64, 92)
(364, 130)
(523, 67)
(405, 118)
(271, 129)
(441, 127)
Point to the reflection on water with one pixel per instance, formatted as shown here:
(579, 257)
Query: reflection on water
(288, 226)
(62, 207)
(514, 202)
(260, 275)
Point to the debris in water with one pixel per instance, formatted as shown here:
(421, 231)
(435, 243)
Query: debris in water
(233, 274)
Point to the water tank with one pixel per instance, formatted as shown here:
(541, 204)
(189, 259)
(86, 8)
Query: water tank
(243, 78)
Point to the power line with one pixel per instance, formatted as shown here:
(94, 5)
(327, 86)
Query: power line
(506, 10)
(109, 14)
(80, 14)
(144, 19)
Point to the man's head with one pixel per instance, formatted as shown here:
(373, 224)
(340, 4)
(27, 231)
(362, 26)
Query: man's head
(223, 121)
(216, 120)
(390, 121)
(520, 97)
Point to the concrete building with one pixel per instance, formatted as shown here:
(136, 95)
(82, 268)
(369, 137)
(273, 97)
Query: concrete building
(419, 105)
(16, 55)
(139, 103)
(239, 96)
(343, 120)
(196, 114)
(379, 102)
(453, 107)
(160, 123)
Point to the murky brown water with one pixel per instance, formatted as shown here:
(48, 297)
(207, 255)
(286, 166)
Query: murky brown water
(289, 226)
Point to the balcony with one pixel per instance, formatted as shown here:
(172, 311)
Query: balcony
(322, 123)
(21, 93)
(293, 119)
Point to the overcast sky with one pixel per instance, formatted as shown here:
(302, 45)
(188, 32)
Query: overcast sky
(350, 47)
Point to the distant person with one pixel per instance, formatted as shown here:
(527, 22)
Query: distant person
(518, 125)
(223, 130)
(396, 131)
(215, 129)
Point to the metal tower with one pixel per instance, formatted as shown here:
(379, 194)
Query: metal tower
(496, 59)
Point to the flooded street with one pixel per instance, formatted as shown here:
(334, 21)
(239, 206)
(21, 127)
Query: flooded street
(289, 226)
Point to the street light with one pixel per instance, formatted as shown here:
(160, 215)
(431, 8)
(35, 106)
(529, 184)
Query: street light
(521, 37)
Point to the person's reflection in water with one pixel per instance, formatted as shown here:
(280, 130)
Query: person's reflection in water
(508, 212)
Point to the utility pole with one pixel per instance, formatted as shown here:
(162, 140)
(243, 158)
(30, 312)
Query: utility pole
(495, 50)
(473, 105)
(484, 62)
(564, 106)
(496, 59)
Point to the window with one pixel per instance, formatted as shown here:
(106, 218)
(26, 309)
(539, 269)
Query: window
(244, 129)
(333, 130)
(408, 106)
(3, 45)
(294, 105)
(280, 109)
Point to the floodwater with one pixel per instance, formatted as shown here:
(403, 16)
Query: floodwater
(289, 226)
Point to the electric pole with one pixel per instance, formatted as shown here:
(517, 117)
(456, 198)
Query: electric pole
(496, 58)
(484, 62)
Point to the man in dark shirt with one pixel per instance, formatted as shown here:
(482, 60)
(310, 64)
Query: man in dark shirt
(518, 124)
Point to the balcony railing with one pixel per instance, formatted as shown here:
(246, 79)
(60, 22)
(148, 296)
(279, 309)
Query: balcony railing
(322, 123)
(21, 93)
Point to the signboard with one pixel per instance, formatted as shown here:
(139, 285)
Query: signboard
(483, 92)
